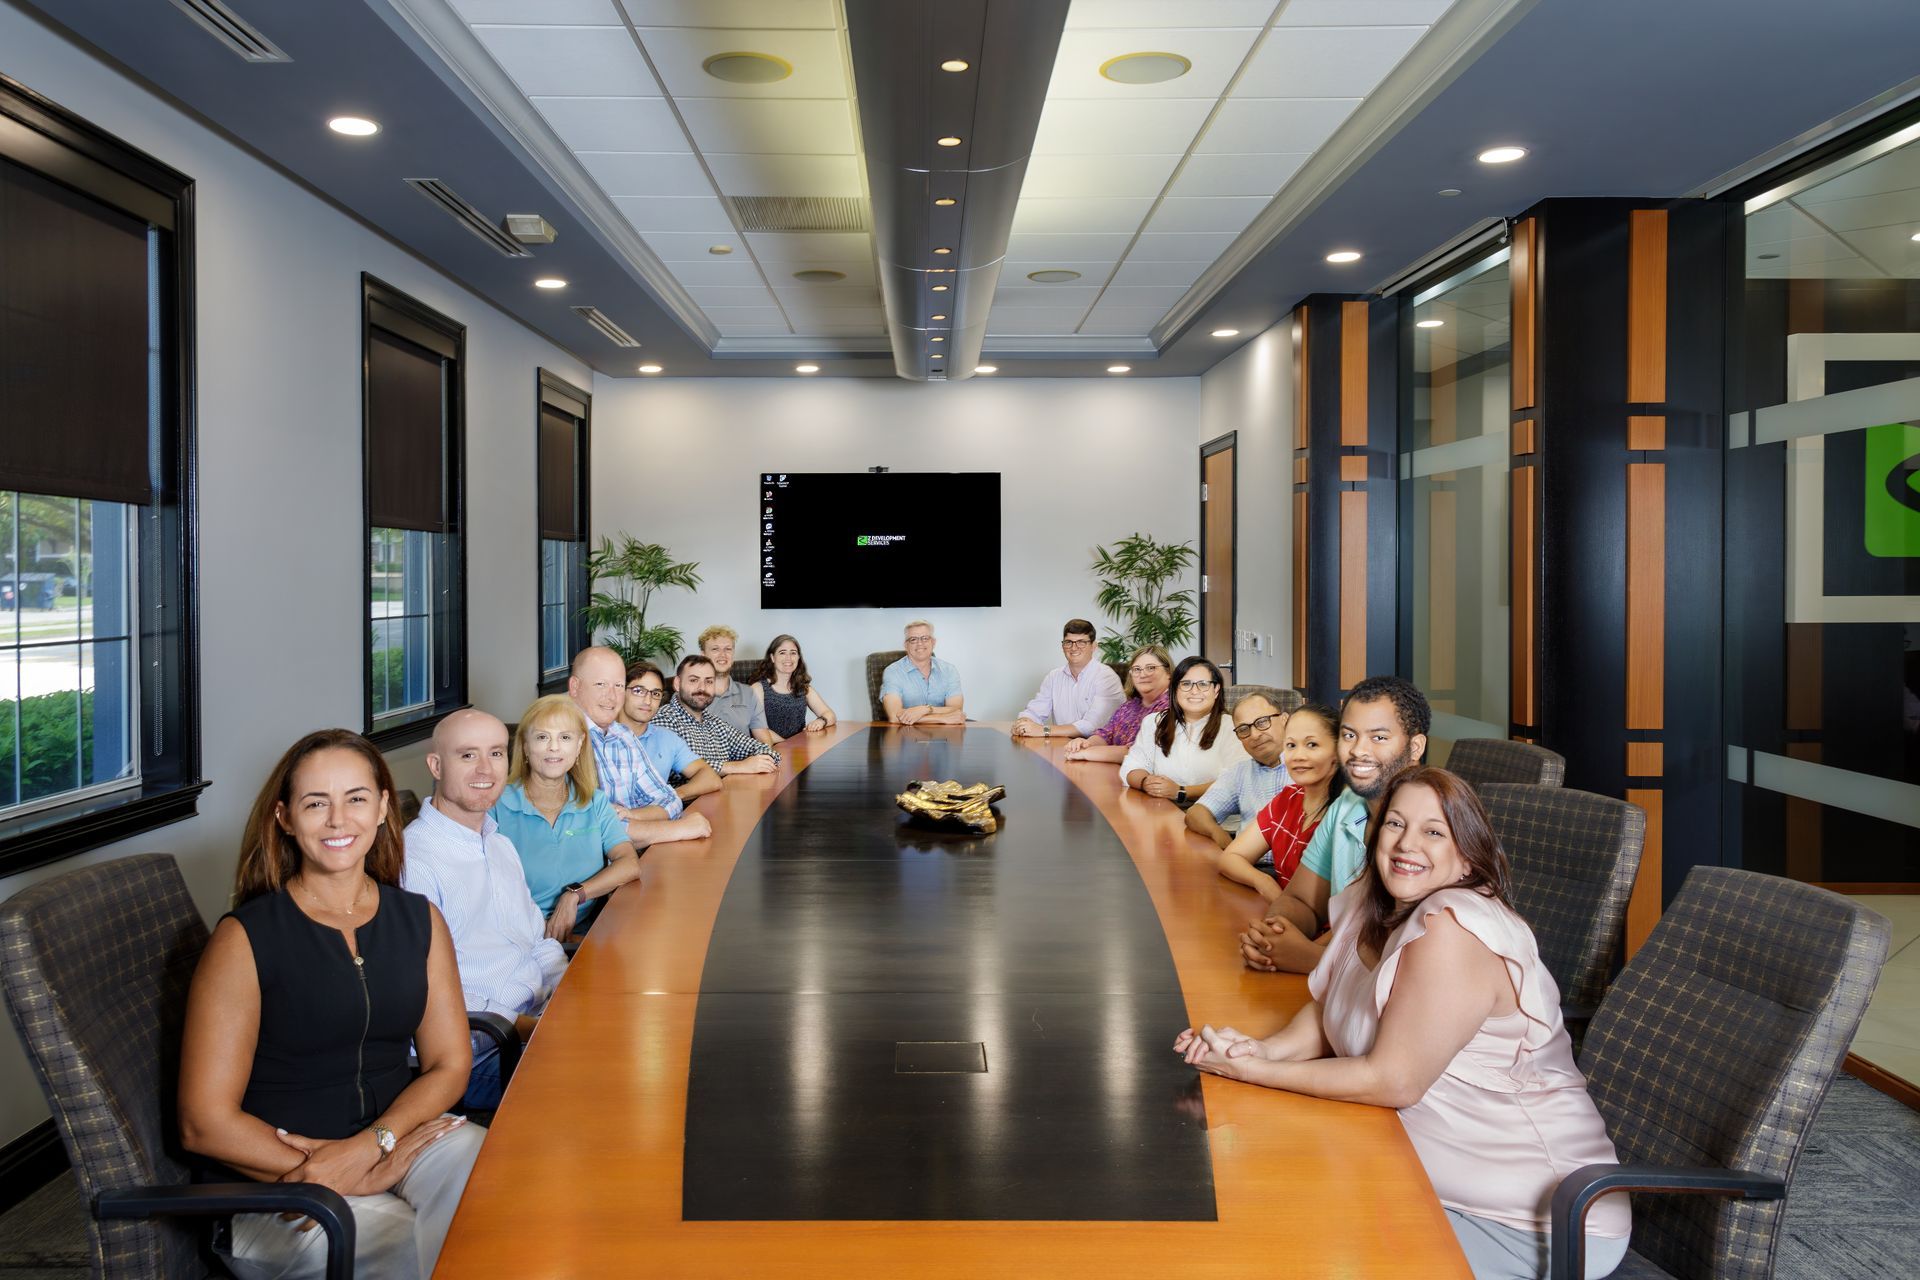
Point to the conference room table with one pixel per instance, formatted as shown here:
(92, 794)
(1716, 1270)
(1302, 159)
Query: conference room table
(827, 1042)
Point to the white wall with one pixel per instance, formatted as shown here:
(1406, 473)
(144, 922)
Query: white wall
(281, 605)
(1251, 393)
(1082, 462)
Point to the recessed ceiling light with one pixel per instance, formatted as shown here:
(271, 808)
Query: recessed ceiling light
(945, 201)
(939, 288)
(1226, 333)
(1502, 155)
(954, 64)
(819, 275)
(1448, 191)
(747, 68)
(937, 339)
(354, 126)
(948, 141)
(941, 316)
(1145, 68)
(1915, 236)
(549, 282)
(986, 368)
(1343, 255)
(1056, 275)
(1428, 324)
(1119, 368)
(650, 368)
(806, 368)
(720, 249)
(943, 250)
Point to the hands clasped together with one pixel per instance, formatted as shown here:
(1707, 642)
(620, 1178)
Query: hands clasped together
(1219, 1053)
(355, 1166)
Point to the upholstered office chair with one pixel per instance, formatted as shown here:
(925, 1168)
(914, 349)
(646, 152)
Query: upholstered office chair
(877, 664)
(96, 965)
(1709, 1059)
(1287, 700)
(1120, 669)
(1574, 856)
(406, 805)
(743, 669)
(1479, 761)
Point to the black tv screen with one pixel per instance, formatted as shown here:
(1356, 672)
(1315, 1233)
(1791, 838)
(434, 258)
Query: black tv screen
(899, 539)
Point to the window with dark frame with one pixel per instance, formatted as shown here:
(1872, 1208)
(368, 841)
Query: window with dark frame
(565, 412)
(99, 710)
(415, 505)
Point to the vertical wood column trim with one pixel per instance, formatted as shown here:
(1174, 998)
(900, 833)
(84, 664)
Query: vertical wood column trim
(1646, 595)
(1523, 267)
(1301, 523)
(1647, 306)
(1643, 908)
(1353, 376)
(1353, 587)
(1521, 553)
(1300, 339)
(1300, 591)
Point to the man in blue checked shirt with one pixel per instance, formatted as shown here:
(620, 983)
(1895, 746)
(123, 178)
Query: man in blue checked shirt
(616, 720)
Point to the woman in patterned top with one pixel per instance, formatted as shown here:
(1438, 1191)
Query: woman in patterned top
(1149, 676)
(1265, 853)
(785, 691)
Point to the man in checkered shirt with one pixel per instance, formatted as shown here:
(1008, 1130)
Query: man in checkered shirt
(714, 740)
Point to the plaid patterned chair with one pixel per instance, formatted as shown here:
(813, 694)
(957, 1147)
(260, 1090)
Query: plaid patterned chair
(1574, 856)
(1708, 1061)
(1287, 700)
(1480, 761)
(877, 664)
(96, 966)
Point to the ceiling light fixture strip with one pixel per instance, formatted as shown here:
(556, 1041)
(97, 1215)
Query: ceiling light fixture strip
(469, 217)
(230, 29)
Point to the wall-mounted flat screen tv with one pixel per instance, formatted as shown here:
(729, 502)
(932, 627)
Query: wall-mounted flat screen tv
(889, 540)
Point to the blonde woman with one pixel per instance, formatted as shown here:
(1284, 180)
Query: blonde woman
(572, 845)
(1149, 675)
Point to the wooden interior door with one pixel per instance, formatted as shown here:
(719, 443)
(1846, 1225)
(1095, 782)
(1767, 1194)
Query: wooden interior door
(1217, 499)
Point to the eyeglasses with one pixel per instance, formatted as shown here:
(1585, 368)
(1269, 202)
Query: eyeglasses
(1262, 723)
(1146, 669)
(919, 639)
(1076, 644)
(641, 691)
(1195, 686)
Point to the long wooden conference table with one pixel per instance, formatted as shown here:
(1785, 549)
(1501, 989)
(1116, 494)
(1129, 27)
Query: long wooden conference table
(823, 1042)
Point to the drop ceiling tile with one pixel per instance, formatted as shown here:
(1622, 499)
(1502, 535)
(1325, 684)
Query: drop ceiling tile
(1086, 14)
(691, 246)
(1013, 275)
(1045, 296)
(735, 270)
(734, 329)
(1860, 213)
(1211, 213)
(1122, 321)
(562, 62)
(819, 70)
(1892, 247)
(1324, 62)
(1035, 320)
(1128, 297)
(652, 214)
(1275, 125)
(1078, 126)
(543, 13)
(789, 126)
(1180, 247)
(832, 248)
(1237, 175)
(778, 175)
(732, 13)
(840, 329)
(1080, 215)
(613, 124)
(1040, 247)
(724, 316)
(802, 317)
(1362, 13)
(732, 295)
(1063, 177)
(858, 275)
(620, 173)
(827, 297)
(1215, 54)
(1158, 273)
(1781, 221)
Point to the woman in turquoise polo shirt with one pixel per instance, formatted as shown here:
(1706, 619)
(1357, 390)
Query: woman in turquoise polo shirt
(572, 844)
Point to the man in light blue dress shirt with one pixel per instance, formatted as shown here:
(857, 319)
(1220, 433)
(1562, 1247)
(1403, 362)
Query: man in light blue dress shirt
(920, 688)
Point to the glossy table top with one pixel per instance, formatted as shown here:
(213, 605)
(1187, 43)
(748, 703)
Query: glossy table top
(720, 1082)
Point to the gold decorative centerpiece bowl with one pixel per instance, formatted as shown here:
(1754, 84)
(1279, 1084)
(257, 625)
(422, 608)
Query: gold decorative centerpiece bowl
(953, 805)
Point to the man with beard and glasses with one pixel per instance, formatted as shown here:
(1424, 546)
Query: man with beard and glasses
(713, 739)
(1383, 732)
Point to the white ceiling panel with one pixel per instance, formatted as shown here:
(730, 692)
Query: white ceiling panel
(1140, 296)
(622, 173)
(1236, 175)
(791, 126)
(1361, 13)
(1215, 54)
(1209, 213)
(732, 13)
(1034, 320)
(724, 316)
(570, 61)
(1325, 62)
(1040, 247)
(734, 329)
(1078, 126)
(1079, 215)
(826, 297)
(691, 246)
(1888, 209)
(1118, 321)
(812, 247)
(541, 13)
(1274, 125)
(1045, 296)
(613, 124)
(1134, 272)
(1064, 177)
(1154, 13)
(778, 175)
(1013, 275)
(858, 274)
(1895, 171)
(1892, 247)
(819, 68)
(654, 214)
(732, 295)
(734, 271)
(1180, 247)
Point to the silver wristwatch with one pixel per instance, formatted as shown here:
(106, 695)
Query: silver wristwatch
(384, 1139)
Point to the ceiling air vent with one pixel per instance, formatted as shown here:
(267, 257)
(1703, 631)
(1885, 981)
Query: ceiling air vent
(608, 329)
(468, 216)
(232, 30)
(798, 213)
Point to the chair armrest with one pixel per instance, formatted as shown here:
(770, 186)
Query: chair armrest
(218, 1199)
(1567, 1245)
(499, 1029)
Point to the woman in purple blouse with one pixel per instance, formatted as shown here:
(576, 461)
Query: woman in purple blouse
(1148, 675)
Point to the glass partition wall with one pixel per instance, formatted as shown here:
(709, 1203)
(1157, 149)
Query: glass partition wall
(1455, 373)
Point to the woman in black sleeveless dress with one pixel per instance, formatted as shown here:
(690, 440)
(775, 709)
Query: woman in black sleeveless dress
(294, 1064)
(787, 707)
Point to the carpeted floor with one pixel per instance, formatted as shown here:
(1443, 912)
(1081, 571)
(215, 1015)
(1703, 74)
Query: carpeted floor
(1850, 1212)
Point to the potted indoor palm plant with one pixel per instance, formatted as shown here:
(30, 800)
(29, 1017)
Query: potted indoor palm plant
(623, 578)
(1134, 576)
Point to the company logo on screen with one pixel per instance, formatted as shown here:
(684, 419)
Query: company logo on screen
(878, 539)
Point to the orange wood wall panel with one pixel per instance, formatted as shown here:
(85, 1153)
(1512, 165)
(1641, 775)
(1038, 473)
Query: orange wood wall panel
(1300, 590)
(1217, 617)
(1645, 759)
(1523, 271)
(1646, 595)
(1523, 437)
(1645, 432)
(1353, 468)
(1643, 907)
(1353, 587)
(1353, 373)
(1647, 306)
(1299, 470)
(1520, 616)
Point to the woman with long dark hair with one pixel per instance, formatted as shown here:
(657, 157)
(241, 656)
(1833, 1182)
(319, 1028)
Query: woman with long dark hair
(1181, 750)
(1266, 851)
(294, 1062)
(1433, 999)
(785, 691)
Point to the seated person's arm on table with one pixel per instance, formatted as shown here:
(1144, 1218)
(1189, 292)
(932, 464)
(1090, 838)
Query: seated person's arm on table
(701, 780)
(896, 708)
(1032, 720)
(1301, 1040)
(1202, 822)
(757, 727)
(953, 711)
(1236, 861)
(818, 705)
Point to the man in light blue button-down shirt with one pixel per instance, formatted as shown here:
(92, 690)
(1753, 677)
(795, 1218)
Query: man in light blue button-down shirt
(920, 688)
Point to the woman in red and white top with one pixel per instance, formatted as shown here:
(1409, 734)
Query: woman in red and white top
(1266, 851)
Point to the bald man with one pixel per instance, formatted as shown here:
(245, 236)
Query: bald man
(458, 859)
(598, 686)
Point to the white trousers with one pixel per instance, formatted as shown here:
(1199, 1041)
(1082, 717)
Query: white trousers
(1496, 1251)
(397, 1234)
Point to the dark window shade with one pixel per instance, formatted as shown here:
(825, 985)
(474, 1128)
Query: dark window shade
(559, 477)
(406, 434)
(74, 344)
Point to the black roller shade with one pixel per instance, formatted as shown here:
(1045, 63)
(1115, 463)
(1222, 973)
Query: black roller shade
(75, 281)
(406, 435)
(559, 476)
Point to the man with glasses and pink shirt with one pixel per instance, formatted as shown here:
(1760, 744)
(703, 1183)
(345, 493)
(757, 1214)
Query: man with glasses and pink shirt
(1075, 699)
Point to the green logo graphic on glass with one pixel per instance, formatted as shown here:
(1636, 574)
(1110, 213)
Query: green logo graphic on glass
(1892, 506)
(862, 540)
